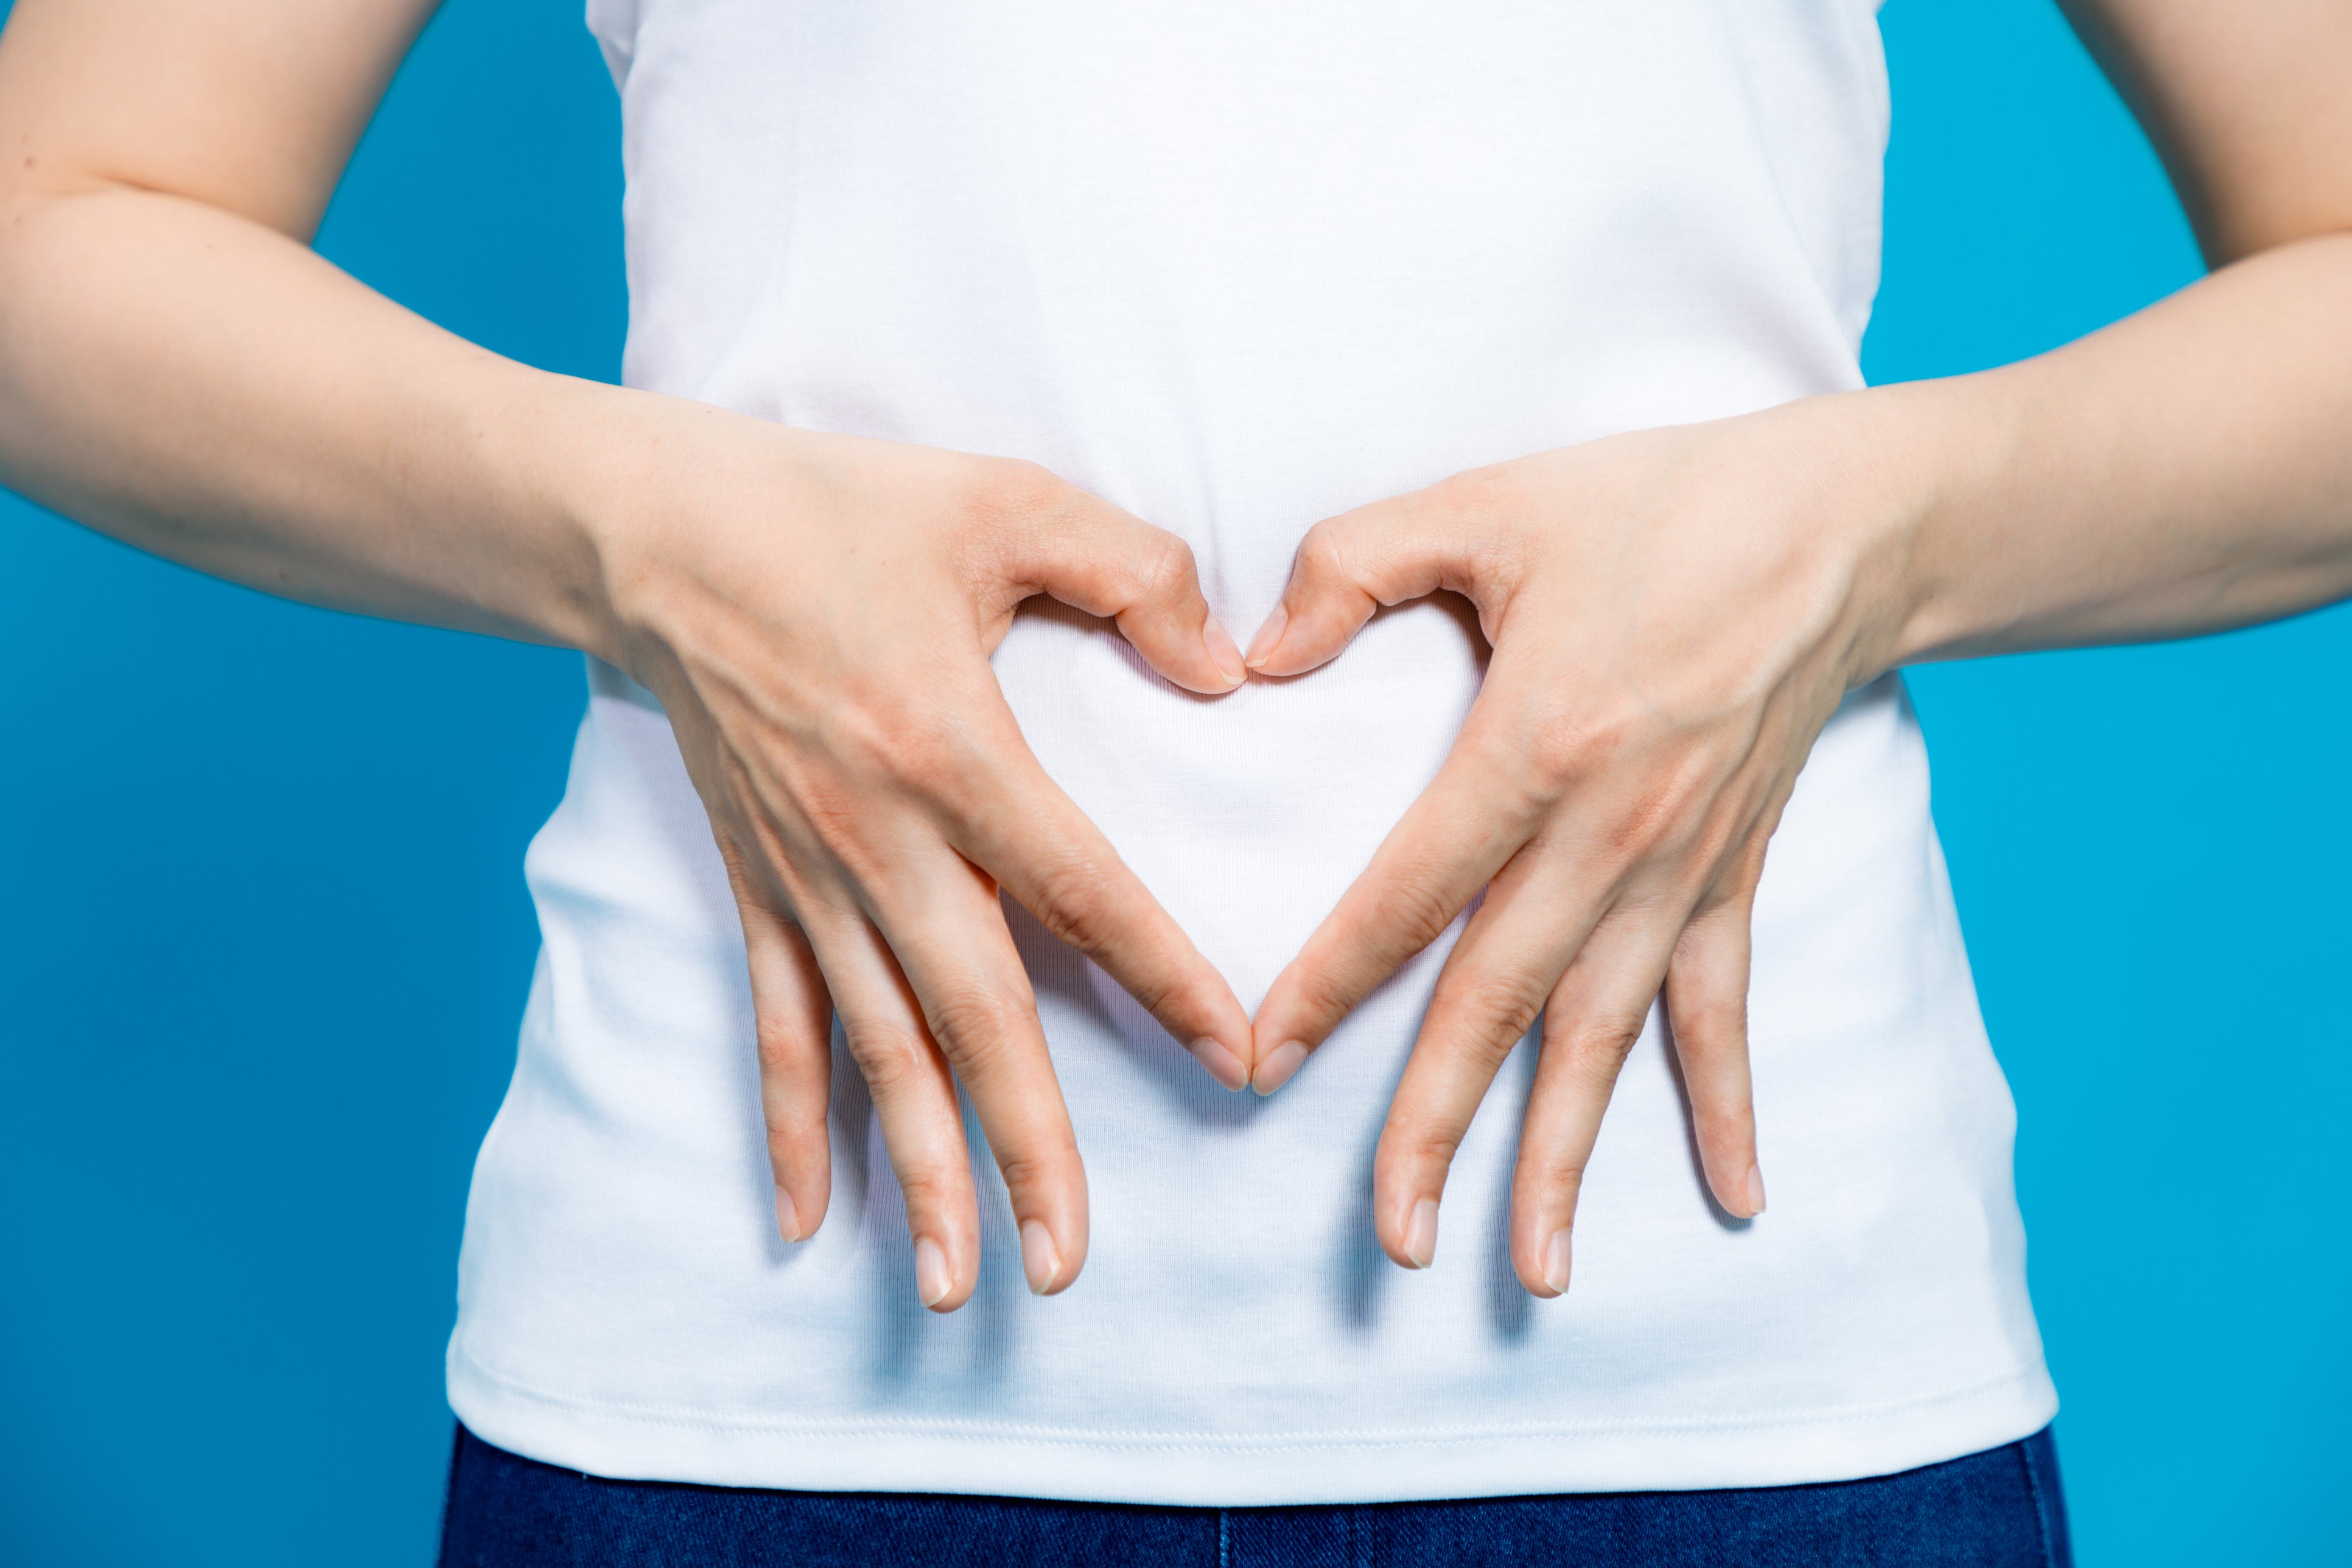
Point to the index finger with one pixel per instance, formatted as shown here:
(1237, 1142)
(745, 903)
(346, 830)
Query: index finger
(1013, 820)
(1450, 843)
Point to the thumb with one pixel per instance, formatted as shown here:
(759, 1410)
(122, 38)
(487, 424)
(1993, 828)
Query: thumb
(1350, 565)
(1094, 557)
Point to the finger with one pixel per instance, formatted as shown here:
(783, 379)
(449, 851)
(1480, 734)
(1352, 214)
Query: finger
(945, 926)
(1092, 556)
(1449, 843)
(914, 1098)
(1592, 1021)
(1511, 956)
(1706, 1000)
(1350, 566)
(794, 1027)
(1009, 816)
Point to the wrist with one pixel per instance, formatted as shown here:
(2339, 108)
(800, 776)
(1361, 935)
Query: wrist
(1890, 465)
(1941, 452)
(597, 453)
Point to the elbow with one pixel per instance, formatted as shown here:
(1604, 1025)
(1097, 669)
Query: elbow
(2227, 238)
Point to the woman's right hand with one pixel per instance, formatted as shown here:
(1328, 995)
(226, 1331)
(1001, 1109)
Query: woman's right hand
(816, 614)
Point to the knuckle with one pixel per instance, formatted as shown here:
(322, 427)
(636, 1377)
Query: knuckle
(1559, 759)
(1489, 499)
(861, 735)
(1016, 492)
(922, 745)
(902, 742)
(1508, 778)
(928, 763)
(1555, 1171)
(979, 1026)
(1490, 493)
(784, 1043)
(1570, 747)
(1168, 991)
(1039, 1167)
(890, 1056)
(1489, 1014)
(1323, 553)
(832, 815)
(1713, 1024)
(1601, 1045)
(1325, 995)
(789, 1140)
(929, 1187)
(1730, 1124)
(1668, 808)
(1644, 825)
(1708, 1011)
(1164, 566)
(1414, 1144)
(1076, 904)
(1414, 912)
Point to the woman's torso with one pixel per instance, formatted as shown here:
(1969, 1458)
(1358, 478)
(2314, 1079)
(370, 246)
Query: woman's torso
(1237, 267)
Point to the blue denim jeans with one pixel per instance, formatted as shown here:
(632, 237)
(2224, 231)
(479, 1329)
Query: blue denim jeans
(2000, 1508)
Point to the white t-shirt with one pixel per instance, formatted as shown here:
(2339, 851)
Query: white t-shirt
(1237, 266)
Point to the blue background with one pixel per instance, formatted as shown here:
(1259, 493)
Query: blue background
(264, 940)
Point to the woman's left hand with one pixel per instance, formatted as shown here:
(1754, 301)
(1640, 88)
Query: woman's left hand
(1674, 614)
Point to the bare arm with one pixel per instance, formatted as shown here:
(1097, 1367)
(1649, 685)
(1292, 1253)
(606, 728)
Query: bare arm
(179, 369)
(1676, 614)
(2189, 467)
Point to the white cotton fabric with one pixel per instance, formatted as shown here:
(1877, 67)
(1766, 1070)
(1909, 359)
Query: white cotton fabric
(1237, 266)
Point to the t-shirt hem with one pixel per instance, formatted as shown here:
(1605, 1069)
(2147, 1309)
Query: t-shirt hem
(1225, 1470)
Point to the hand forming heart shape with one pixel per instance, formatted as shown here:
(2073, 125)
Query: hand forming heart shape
(815, 613)
(1675, 616)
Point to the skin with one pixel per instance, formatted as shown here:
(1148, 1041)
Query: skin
(177, 369)
(1674, 612)
(1677, 613)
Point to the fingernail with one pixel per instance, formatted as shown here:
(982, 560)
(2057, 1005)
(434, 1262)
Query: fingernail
(788, 1217)
(1755, 1189)
(1556, 1260)
(1420, 1233)
(1222, 1065)
(1040, 1258)
(932, 1280)
(1268, 636)
(1279, 1064)
(1227, 657)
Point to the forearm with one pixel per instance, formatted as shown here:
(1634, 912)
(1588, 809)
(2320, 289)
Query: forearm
(207, 388)
(2185, 471)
